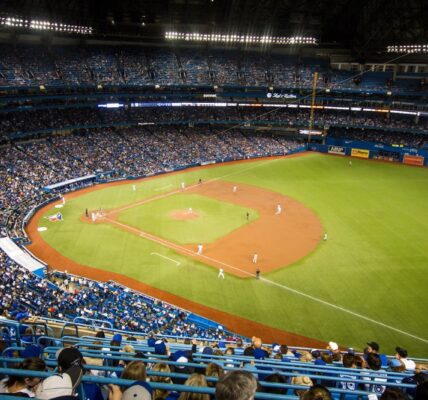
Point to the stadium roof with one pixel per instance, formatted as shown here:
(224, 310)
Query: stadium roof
(360, 25)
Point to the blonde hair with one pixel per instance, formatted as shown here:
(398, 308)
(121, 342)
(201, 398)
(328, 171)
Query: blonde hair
(301, 380)
(195, 380)
(128, 349)
(135, 370)
(160, 393)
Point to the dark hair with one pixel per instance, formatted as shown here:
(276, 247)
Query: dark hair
(275, 378)
(100, 334)
(348, 360)
(421, 391)
(374, 361)
(29, 364)
(327, 357)
(393, 393)
(317, 392)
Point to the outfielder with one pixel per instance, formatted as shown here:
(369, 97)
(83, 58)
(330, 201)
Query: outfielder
(220, 273)
(134, 188)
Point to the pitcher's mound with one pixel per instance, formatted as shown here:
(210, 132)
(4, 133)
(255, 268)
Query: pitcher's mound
(183, 214)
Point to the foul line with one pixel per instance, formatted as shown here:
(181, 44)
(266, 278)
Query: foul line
(295, 291)
(167, 258)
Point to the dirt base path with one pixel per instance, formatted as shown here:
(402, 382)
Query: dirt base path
(56, 260)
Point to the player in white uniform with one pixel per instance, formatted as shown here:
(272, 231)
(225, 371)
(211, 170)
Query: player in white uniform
(200, 248)
(190, 211)
(93, 216)
(278, 209)
(325, 236)
(63, 200)
(182, 185)
(255, 257)
(235, 189)
(134, 188)
(220, 273)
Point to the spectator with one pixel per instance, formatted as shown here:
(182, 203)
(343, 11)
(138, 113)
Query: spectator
(236, 385)
(195, 380)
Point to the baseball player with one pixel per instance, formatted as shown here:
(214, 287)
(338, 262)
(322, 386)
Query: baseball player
(220, 273)
(134, 188)
(63, 199)
(248, 216)
(93, 216)
(325, 236)
(235, 189)
(190, 211)
(255, 257)
(350, 163)
(182, 185)
(200, 248)
(278, 209)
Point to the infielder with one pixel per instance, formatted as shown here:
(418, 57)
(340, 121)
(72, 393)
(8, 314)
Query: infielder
(190, 211)
(325, 236)
(255, 257)
(235, 189)
(200, 248)
(220, 273)
(183, 186)
(278, 209)
(93, 217)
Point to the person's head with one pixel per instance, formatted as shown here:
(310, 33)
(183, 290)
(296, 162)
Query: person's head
(306, 356)
(400, 353)
(100, 335)
(421, 391)
(239, 342)
(396, 365)
(317, 392)
(359, 362)
(68, 357)
(374, 362)
(283, 349)
(236, 385)
(195, 380)
(393, 393)
(327, 357)
(230, 351)
(301, 381)
(135, 371)
(215, 371)
(29, 364)
(275, 378)
(159, 394)
(373, 347)
(348, 360)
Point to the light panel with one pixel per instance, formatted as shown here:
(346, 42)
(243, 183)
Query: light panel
(408, 48)
(215, 37)
(44, 25)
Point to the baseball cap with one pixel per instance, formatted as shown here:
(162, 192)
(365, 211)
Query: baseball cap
(276, 347)
(60, 385)
(117, 337)
(333, 346)
(31, 351)
(160, 347)
(69, 356)
(393, 363)
(373, 345)
(207, 350)
(401, 352)
(139, 390)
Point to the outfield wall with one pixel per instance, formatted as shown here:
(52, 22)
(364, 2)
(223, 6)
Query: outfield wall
(370, 150)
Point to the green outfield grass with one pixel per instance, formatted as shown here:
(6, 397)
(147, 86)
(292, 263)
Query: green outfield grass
(154, 217)
(367, 282)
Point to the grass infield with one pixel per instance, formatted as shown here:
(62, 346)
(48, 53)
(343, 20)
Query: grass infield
(367, 282)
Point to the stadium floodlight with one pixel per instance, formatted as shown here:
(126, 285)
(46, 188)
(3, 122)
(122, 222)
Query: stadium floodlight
(225, 38)
(408, 48)
(17, 22)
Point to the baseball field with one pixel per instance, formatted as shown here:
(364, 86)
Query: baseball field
(368, 281)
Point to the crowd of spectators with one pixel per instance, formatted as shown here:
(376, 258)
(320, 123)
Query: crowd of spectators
(18, 123)
(109, 65)
(63, 296)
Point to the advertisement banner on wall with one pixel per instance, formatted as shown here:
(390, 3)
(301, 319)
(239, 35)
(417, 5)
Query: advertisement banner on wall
(413, 160)
(336, 150)
(361, 153)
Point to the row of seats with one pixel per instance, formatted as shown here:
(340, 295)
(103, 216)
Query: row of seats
(38, 65)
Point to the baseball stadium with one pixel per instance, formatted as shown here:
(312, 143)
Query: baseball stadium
(212, 199)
